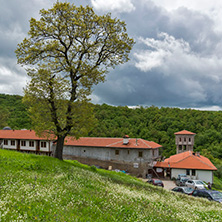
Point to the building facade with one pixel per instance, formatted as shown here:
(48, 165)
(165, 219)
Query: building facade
(25, 141)
(186, 161)
(135, 156)
(184, 141)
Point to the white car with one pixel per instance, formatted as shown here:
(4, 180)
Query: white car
(196, 184)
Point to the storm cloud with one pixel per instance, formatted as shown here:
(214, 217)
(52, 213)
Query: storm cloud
(176, 61)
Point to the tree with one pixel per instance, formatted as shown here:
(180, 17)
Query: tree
(69, 49)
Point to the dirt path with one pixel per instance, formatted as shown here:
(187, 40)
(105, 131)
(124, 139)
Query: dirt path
(169, 184)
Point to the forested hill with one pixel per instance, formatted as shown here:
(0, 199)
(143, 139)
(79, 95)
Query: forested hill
(150, 123)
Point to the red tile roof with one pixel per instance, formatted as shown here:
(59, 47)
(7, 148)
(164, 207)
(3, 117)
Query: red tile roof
(187, 160)
(111, 142)
(184, 132)
(83, 141)
(21, 134)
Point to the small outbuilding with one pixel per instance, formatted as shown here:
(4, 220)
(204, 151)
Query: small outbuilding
(190, 163)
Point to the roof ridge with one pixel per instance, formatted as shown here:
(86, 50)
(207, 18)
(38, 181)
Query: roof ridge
(182, 159)
(93, 137)
(113, 144)
(202, 161)
(146, 143)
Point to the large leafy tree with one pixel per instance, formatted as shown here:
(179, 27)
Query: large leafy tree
(69, 49)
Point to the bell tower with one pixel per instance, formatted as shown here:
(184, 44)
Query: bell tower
(184, 141)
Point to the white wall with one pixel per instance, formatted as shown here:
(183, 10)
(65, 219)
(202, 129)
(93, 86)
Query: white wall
(126, 155)
(47, 148)
(204, 175)
(27, 147)
(175, 172)
(9, 146)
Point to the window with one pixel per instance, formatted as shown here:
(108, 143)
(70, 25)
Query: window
(43, 144)
(12, 142)
(140, 154)
(31, 143)
(128, 152)
(180, 147)
(5, 142)
(180, 139)
(187, 172)
(189, 139)
(23, 143)
(153, 153)
(117, 152)
(193, 172)
(184, 139)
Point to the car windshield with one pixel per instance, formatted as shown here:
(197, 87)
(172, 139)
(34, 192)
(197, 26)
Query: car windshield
(182, 175)
(216, 195)
(188, 189)
(199, 182)
(184, 179)
(157, 181)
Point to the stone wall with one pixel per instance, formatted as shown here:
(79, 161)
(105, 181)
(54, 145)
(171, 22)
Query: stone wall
(130, 168)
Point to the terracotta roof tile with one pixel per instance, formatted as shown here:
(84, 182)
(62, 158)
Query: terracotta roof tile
(187, 160)
(184, 132)
(21, 134)
(83, 141)
(111, 142)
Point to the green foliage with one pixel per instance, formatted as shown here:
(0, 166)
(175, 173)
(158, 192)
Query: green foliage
(160, 124)
(217, 184)
(13, 112)
(3, 117)
(41, 188)
(69, 49)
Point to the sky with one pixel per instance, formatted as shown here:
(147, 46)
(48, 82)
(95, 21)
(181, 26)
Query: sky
(176, 61)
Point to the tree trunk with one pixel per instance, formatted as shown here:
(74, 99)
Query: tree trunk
(59, 147)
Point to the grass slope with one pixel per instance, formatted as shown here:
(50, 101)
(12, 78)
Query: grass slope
(40, 188)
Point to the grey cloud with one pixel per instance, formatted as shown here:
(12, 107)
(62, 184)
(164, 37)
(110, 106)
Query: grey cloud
(185, 79)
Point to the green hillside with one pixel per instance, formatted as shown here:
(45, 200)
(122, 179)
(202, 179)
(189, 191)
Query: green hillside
(40, 188)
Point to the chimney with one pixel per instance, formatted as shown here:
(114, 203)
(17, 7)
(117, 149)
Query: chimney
(125, 140)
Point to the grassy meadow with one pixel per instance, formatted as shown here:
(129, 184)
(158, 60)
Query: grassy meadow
(41, 188)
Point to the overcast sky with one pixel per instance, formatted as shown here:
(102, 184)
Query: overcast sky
(176, 61)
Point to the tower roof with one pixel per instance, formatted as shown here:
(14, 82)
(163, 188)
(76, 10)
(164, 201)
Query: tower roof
(184, 132)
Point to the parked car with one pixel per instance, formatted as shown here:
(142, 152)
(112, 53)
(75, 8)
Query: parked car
(185, 190)
(181, 175)
(196, 184)
(182, 181)
(209, 194)
(156, 182)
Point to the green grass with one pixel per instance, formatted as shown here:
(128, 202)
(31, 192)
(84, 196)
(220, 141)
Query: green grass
(217, 185)
(40, 188)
